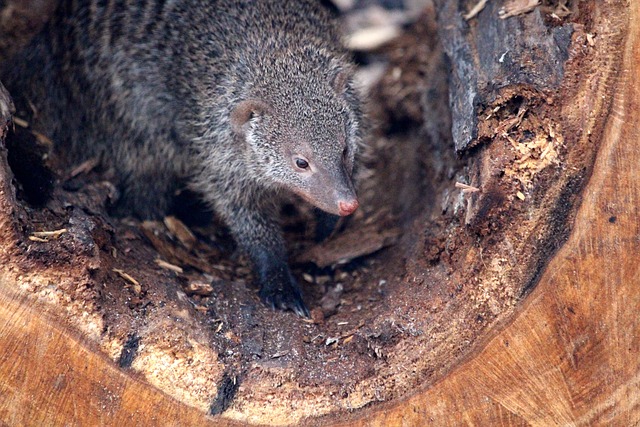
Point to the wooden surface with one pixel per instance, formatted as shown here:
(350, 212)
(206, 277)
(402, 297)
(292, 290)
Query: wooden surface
(488, 54)
(76, 387)
(571, 356)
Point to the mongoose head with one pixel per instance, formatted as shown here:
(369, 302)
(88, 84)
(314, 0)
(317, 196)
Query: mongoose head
(302, 130)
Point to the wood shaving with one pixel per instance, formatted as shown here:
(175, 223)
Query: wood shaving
(512, 123)
(20, 122)
(198, 288)
(45, 236)
(137, 289)
(467, 188)
(180, 231)
(535, 155)
(517, 7)
(168, 266)
(475, 10)
(84, 167)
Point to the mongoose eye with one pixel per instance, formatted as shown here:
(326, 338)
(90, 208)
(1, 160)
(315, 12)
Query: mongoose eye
(302, 163)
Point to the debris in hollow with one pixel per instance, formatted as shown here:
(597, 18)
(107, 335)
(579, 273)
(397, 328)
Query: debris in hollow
(137, 288)
(350, 245)
(44, 236)
(168, 266)
(475, 10)
(517, 7)
(466, 189)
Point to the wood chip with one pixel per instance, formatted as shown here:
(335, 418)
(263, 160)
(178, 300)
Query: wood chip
(372, 38)
(175, 254)
(137, 289)
(180, 231)
(20, 122)
(350, 245)
(199, 288)
(84, 167)
(168, 266)
(45, 236)
(42, 139)
(280, 354)
(517, 7)
(467, 188)
(475, 10)
(520, 195)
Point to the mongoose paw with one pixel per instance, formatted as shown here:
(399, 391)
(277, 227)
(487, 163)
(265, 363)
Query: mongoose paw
(286, 297)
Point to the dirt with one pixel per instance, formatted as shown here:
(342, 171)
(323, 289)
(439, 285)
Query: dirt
(399, 293)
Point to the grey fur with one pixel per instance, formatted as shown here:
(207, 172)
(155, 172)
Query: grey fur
(217, 94)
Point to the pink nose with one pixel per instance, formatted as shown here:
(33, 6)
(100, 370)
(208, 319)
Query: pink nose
(347, 208)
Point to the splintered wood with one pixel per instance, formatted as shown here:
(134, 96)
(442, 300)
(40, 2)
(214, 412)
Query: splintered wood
(350, 245)
(45, 236)
(534, 155)
(199, 288)
(475, 10)
(168, 266)
(466, 188)
(181, 232)
(137, 289)
(177, 256)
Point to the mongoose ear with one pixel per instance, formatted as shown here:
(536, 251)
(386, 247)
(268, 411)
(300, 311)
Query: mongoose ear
(244, 112)
(340, 79)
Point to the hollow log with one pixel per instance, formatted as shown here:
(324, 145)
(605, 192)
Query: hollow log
(94, 333)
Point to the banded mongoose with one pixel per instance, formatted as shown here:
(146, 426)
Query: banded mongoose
(239, 99)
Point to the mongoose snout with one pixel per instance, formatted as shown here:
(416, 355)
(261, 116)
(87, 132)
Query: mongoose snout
(347, 207)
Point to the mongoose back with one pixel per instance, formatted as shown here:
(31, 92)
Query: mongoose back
(239, 99)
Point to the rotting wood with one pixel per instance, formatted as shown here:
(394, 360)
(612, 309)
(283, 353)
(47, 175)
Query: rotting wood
(488, 54)
(350, 245)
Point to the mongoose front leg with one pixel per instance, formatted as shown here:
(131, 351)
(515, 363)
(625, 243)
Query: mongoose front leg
(278, 288)
(259, 235)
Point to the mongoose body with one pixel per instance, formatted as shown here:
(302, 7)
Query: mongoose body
(237, 100)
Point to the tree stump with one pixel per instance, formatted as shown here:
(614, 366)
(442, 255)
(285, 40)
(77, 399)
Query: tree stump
(510, 299)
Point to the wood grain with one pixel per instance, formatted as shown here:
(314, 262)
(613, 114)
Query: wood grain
(50, 377)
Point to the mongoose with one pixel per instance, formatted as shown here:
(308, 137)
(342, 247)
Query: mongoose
(239, 99)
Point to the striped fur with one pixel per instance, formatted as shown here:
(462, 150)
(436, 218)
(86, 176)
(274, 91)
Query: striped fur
(151, 86)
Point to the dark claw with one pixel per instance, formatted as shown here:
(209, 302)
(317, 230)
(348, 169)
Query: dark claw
(285, 298)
